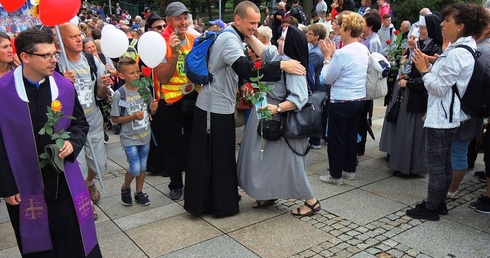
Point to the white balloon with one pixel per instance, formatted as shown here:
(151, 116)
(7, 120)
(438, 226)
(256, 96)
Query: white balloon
(114, 43)
(152, 48)
(75, 20)
(33, 2)
(106, 28)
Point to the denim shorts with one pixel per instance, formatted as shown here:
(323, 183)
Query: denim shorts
(137, 156)
(459, 153)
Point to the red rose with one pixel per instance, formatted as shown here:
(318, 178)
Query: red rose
(258, 64)
(146, 71)
(388, 42)
(397, 32)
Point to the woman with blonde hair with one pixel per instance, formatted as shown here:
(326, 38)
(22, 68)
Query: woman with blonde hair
(346, 71)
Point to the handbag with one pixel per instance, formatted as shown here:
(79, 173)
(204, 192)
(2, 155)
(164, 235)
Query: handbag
(308, 122)
(392, 115)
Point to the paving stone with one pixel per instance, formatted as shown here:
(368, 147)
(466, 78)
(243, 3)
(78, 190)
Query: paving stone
(353, 241)
(390, 243)
(362, 229)
(353, 233)
(335, 232)
(326, 253)
(327, 245)
(395, 253)
(383, 247)
(316, 249)
(372, 241)
(344, 237)
(353, 249)
(334, 249)
(363, 246)
(362, 237)
(373, 251)
(402, 247)
(336, 241)
(380, 238)
(343, 254)
(343, 245)
(423, 256)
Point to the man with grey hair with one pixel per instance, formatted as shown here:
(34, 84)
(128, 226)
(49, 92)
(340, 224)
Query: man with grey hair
(404, 29)
(264, 34)
(136, 24)
(277, 20)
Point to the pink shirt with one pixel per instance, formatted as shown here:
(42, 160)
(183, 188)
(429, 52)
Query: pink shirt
(384, 9)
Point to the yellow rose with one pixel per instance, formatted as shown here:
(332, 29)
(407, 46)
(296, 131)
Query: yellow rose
(56, 106)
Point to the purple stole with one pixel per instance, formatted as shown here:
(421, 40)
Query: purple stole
(20, 145)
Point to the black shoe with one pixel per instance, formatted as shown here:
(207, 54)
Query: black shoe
(175, 194)
(106, 138)
(481, 176)
(442, 208)
(126, 196)
(421, 212)
(481, 200)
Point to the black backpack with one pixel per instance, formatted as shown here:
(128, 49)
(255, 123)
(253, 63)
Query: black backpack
(476, 100)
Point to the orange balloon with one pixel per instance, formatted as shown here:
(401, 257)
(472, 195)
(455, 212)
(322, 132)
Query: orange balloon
(12, 5)
(56, 12)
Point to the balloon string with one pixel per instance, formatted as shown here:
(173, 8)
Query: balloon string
(62, 47)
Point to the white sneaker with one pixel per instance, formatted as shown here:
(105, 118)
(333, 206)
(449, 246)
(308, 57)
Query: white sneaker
(349, 175)
(331, 180)
(316, 146)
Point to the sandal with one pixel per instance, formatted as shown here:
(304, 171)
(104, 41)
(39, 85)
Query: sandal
(261, 204)
(309, 213)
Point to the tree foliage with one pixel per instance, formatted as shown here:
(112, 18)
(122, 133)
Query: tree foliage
(409, 9)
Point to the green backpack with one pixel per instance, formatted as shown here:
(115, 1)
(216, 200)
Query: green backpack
(132, 52)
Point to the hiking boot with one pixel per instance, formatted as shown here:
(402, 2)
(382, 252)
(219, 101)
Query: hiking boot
(126, 196)
(141, 198)
(175, 194)
(484, 206)
(422, 212)
(331, 180)
(349, 175)
(94, 193)
(442, 208)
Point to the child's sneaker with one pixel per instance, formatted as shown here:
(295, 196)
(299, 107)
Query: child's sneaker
(141, 198)
(126, 196)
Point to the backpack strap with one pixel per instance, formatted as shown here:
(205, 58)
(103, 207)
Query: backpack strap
(102, 58)
(122, 92)
(93, 66)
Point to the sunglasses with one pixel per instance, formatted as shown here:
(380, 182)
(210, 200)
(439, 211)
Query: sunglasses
(159, 27)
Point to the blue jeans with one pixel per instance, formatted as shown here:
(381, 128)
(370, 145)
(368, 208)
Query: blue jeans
(137, 156)
(459, 153)
(438, 162)
(343, 120)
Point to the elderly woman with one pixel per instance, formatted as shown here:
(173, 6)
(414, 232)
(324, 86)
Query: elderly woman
(346, 70)
(90, 47)
(461, 22)
(280, 173)
(8, 60)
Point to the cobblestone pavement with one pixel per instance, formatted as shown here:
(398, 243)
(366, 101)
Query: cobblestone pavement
(363, 218)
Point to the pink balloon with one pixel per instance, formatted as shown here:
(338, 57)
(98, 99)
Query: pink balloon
(56, 12)
(12, 5)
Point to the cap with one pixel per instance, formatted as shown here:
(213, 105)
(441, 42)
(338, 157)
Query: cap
(219, 22)
(153, 17)
(422, 21)
(176, 9)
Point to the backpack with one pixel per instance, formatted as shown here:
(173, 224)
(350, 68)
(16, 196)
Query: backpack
(476, 100)
(377, 76)
(196, 62)
(131, 52)
(116, 128)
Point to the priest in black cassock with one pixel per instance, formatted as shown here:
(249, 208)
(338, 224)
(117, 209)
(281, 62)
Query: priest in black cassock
(50, 211)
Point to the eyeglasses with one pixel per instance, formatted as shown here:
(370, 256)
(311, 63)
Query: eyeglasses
(47, 57)
(159, 27)
(310, 33)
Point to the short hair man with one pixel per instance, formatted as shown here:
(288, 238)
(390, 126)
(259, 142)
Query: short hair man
(211, 176)
(386, 34)
(155, 22)
(177, 96)
(91, 84)
(43, 204)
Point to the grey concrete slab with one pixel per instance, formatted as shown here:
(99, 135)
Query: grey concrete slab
(404, 190)
(470, 218)
(281, 236)
(360, 206)
(115, 152)
(106, 228)
(445, 238)
(11, 253)
(119, 245)
(8, 236)
(367, 175)
(115, 209)
(174, 233)
(319, 168)
(112, 187)
(323, 190)
(155, 180)
(149, 216)
(4, 215)
(246, 217)
(378, 164)
(315, 156)
(219, 247)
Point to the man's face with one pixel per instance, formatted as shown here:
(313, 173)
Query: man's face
(72, 39)
(37, 65)
(179, 23)
(158, 26)
(386, 22)
(248, 25)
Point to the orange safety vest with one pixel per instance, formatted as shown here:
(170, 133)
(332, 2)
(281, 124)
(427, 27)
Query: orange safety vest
(172, 91)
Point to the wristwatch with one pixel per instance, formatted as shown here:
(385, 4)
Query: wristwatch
(278, 108)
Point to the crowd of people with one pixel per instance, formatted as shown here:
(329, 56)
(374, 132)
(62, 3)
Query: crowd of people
(176, 125)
